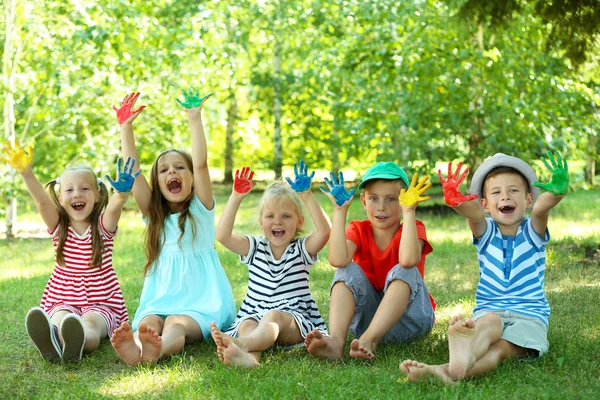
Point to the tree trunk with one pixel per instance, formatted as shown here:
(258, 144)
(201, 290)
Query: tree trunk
(335, 155)
(590, 167)
(9, 117)
(476, 107)
(229, 132)
(277, 155)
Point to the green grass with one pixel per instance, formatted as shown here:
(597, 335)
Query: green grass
(569, 370)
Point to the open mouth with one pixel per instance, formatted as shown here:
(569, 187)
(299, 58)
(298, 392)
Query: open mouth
(174, 186)
(78, 206)
(278, 232)
(506, 209)
(380, 217)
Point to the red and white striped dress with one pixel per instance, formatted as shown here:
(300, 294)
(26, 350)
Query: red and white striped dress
(82, 289)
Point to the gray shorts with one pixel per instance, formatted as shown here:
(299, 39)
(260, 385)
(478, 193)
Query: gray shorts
(416, 321)
(521, 330)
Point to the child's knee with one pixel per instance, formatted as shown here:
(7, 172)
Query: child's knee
(490, 319)
(278, 317)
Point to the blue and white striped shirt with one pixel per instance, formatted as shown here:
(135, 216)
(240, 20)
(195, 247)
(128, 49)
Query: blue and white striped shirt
(511, 271)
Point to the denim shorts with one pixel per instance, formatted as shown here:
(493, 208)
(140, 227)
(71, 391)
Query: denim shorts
(416, 321)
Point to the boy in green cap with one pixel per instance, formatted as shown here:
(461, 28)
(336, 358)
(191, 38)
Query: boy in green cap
(378, 290)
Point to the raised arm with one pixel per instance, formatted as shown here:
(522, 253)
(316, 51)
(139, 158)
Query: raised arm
(242, 185)
(409, 252)
(464, 205)
(301, 185)
(122, 186)
(22, 160)
(125, 116)
(557, 189)
(341, 250)
(202, 184)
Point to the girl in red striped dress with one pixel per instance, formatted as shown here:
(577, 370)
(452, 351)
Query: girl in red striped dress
(82, 302)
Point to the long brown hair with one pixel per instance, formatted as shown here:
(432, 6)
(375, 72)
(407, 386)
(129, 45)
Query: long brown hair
(154, 235)
(93, 218)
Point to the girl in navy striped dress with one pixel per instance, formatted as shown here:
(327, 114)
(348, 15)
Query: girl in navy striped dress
(82, 302)
(278, 307)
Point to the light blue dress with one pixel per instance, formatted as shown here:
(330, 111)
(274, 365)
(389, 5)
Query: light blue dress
(188, 278)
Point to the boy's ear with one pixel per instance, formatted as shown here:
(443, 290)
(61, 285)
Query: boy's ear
(362, 199)
(484, 205)
(300, 222)
(529, 200)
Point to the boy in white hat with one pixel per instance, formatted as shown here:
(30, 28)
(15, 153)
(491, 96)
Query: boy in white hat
(510, 319)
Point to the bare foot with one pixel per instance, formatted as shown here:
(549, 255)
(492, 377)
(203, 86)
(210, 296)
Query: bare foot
(235, 356)
(415, 371)
(151, 344)
(460, 336)
(123, 343)
(364, 350)
(217, 336)
(322, 346)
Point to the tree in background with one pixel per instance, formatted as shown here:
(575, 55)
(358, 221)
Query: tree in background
(340, 84)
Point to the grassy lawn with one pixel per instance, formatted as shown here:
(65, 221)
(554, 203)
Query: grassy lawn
(569, 370)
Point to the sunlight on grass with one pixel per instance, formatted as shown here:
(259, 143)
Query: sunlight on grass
(464, 307)
(149, 381)
(562, 228)
(568, 284)
(463, 236)
(26, 273)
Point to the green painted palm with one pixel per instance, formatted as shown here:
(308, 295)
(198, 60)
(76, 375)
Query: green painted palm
(559, 181)
(192, 99)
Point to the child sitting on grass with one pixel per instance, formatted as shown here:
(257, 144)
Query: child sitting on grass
(82, 303)
(185, 287)
(510, 318)
(378, 290)
(278, 307)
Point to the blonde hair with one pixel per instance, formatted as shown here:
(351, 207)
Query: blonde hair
(279, 191)
(93, 218)
(154, 236)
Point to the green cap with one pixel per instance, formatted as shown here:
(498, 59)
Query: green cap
(384, 170)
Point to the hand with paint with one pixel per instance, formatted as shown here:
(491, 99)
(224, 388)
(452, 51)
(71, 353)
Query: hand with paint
(125, 178)
(337, 192)
(303, 180)
(243, 181)
(559, 181)
(411, 197)
(125, 113)
(452, 196)
(192, 99)
(18, 158)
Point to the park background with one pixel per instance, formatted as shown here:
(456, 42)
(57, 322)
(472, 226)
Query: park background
(341, 85)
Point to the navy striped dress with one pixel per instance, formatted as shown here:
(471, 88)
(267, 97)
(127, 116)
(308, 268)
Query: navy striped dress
(280, 285)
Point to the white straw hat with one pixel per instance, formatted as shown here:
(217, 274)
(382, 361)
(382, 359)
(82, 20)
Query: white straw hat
(502, 160)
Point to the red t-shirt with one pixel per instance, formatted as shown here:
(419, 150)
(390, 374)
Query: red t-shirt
(376, 263)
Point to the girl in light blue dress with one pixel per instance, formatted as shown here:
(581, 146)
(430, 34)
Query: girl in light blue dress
(185, 287)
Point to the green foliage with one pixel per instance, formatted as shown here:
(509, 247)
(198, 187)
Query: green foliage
(360, 82)
(574, 25)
